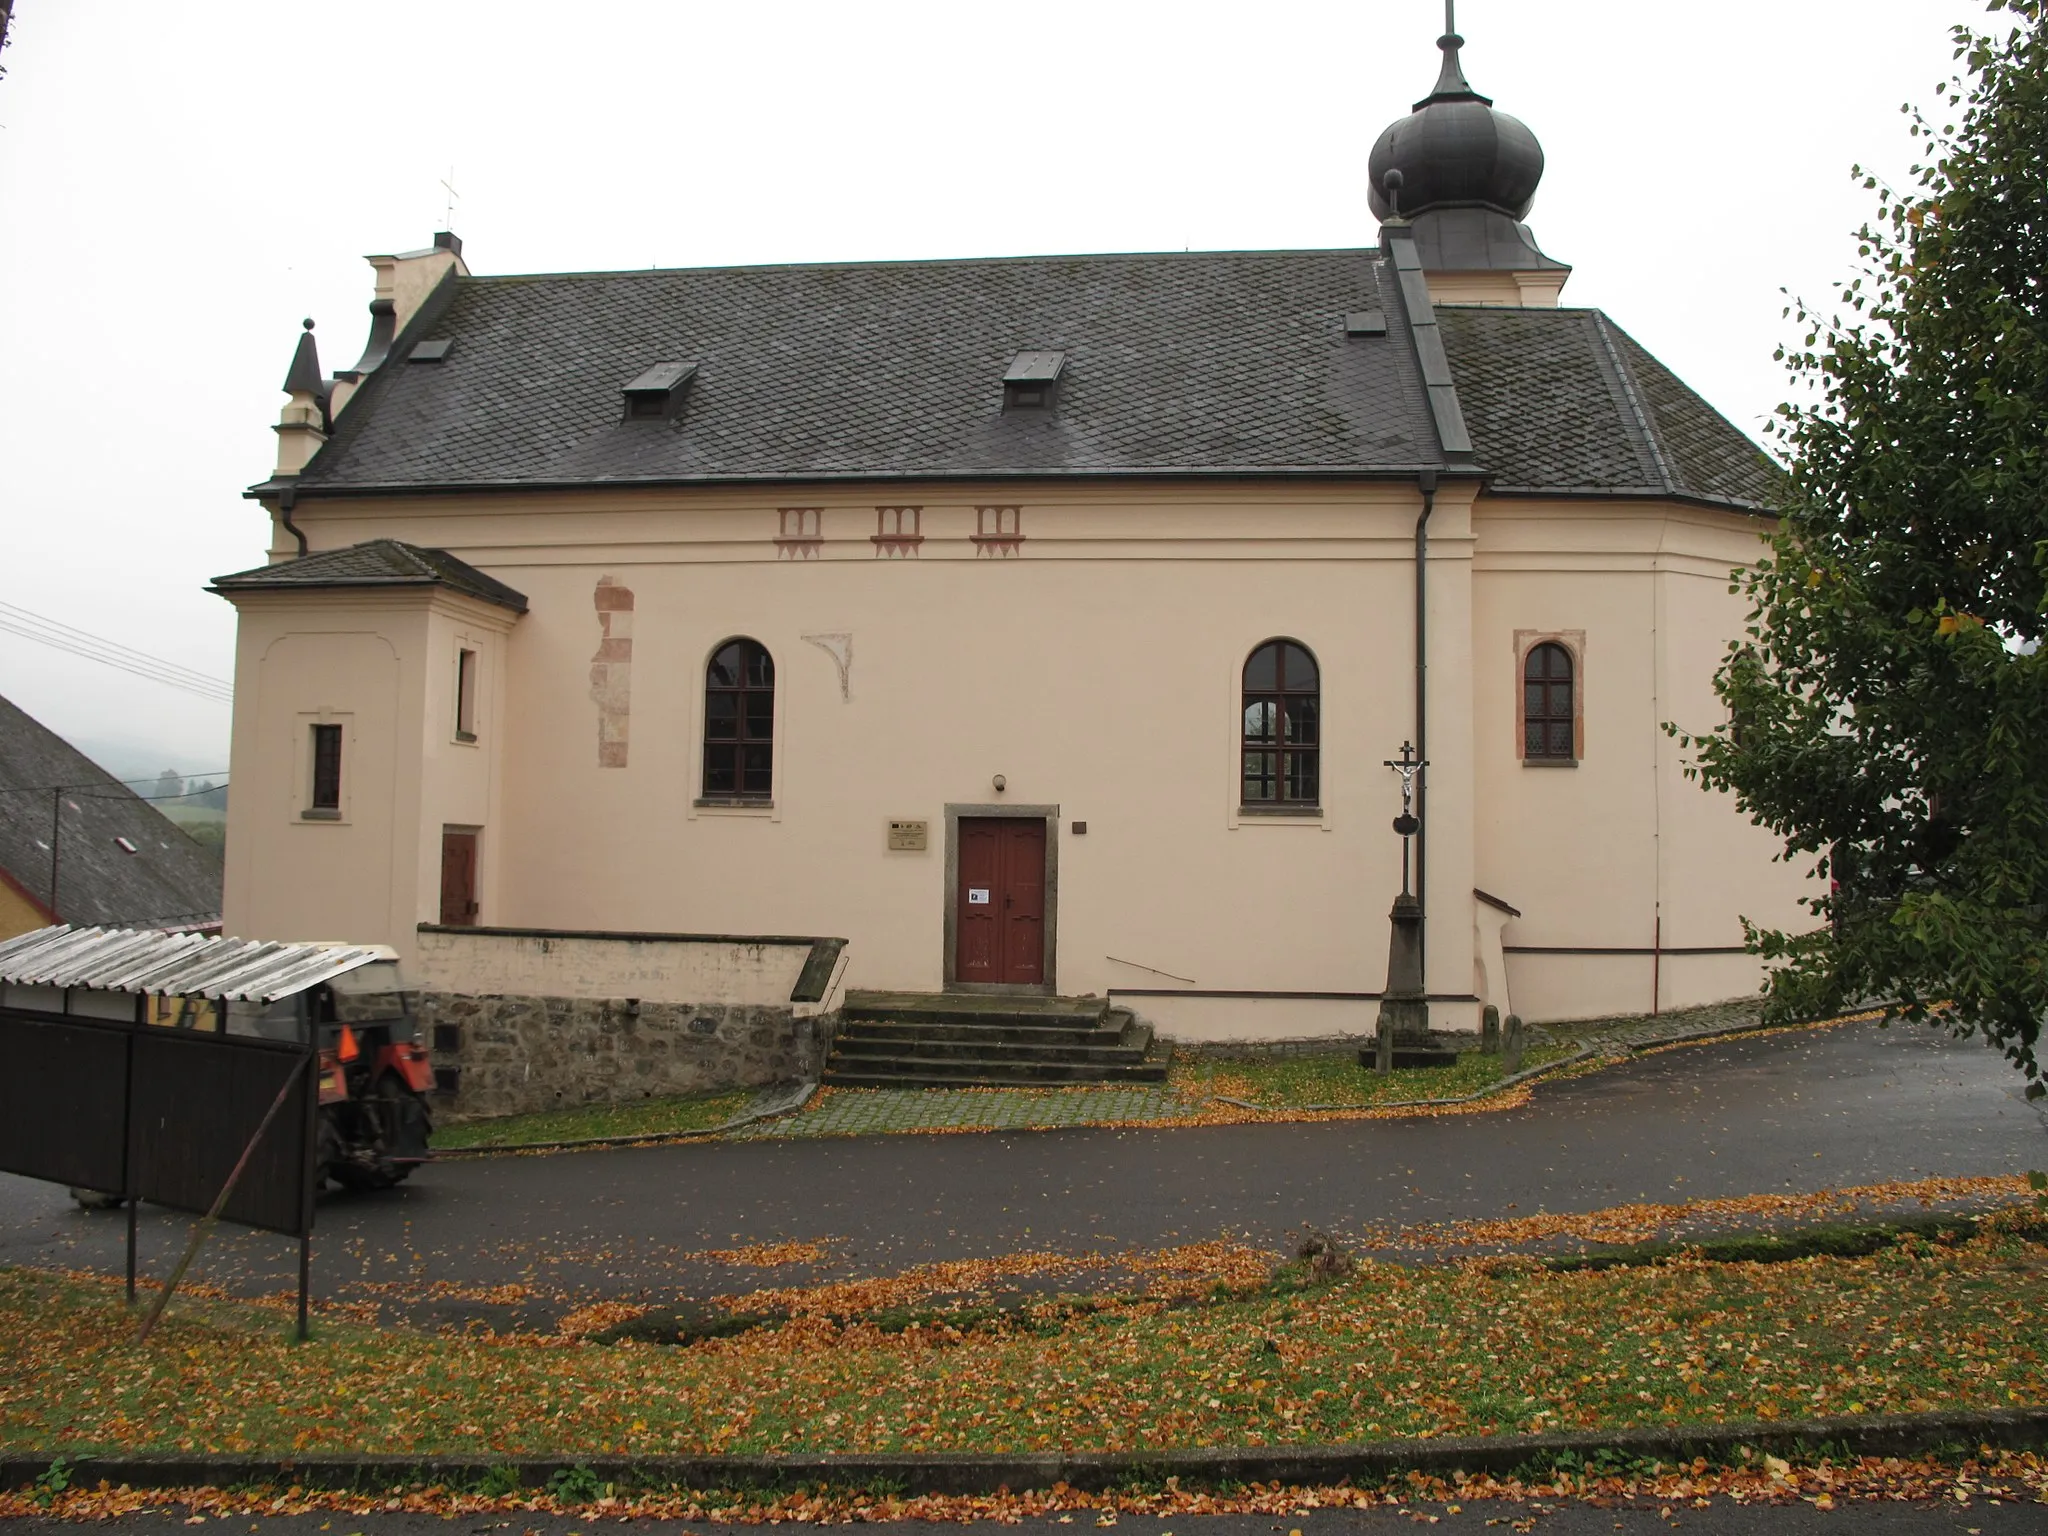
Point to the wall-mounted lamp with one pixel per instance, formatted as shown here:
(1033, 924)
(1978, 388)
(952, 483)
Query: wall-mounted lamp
(1001, 783)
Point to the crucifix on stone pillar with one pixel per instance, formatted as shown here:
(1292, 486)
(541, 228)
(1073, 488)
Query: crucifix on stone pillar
(1405, 824)
(1404, 1037)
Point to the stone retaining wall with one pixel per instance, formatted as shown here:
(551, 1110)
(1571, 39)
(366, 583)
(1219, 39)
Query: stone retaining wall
(519, 1054)
(525, 1019)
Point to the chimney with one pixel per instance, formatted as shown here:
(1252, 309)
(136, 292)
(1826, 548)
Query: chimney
(403, 283)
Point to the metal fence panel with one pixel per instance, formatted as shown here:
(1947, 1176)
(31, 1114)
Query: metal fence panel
(198, 1100)
(63, 1100)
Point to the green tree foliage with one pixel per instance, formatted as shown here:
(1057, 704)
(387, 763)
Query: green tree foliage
(1889, 706)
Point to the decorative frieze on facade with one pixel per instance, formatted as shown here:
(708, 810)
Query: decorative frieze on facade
(998, 531)
(898, 532)
(802, 533)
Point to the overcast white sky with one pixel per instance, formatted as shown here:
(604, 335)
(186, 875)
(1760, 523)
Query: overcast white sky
(179, 185)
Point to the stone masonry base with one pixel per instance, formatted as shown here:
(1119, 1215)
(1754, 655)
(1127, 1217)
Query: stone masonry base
(514, 1055)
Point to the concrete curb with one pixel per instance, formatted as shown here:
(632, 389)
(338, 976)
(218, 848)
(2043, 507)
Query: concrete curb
(649, 1138)
(1312, 1465)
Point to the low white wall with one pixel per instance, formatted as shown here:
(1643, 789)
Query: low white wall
(1271, 1020)
(733, 970)
(1549, 987)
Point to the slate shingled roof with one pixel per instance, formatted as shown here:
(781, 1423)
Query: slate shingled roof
(1204, 363)
(379, 563)
(169, 879)
(1564, 401)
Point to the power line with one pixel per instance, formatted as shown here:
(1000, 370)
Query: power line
(79, 642)
(107, 652)
(151, 778)
(71, 630)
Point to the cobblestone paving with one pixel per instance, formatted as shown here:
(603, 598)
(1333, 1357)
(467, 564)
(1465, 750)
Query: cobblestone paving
(886, 1111)
(1639, 1030)
(873, 1111)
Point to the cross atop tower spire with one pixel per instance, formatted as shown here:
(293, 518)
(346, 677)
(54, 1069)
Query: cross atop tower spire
(1451, 84)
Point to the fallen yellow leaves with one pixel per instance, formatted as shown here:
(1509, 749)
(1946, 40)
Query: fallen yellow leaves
(597, 1317)
(1644, 1223)
(1192, 1268)
(1391, 1352)
(765, 1255)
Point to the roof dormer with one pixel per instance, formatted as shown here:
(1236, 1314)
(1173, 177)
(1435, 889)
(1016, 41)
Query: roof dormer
(657, 394)
(1032, 380)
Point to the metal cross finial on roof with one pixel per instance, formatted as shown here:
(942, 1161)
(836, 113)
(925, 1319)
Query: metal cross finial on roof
(1450, 18)
(448, 186)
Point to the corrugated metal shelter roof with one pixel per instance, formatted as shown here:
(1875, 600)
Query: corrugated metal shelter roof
(176, 964)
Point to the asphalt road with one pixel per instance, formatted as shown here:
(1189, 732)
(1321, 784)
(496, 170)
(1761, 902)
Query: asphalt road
(1797, 1112)
(1723, 1517)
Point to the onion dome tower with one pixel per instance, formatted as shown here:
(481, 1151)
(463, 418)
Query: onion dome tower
(1463, 174)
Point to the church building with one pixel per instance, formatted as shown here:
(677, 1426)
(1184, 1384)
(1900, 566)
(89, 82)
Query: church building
(1042, 624)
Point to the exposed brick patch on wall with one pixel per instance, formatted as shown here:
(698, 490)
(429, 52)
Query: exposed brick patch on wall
(520, 1054)
(611, 670)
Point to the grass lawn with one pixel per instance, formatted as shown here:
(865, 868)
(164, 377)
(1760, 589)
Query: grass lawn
(1298, 1082)
(1466, 1349)
(642, 1117)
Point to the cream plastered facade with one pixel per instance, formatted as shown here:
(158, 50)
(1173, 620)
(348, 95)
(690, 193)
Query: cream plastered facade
(1095, 665)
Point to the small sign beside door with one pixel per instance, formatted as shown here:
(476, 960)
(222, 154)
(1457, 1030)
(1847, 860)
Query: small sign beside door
(977, 896)
(907, 836)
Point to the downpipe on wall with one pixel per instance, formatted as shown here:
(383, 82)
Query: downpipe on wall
(1426, 483)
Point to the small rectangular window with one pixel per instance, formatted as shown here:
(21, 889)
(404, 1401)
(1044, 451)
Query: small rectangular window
(326, 768)
(465, 696)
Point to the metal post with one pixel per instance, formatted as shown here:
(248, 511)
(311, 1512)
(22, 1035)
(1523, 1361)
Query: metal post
(311, 1188)
(132, 1204)
(1657, 966)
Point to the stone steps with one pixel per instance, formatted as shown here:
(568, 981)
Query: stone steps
(921, 1072)
(898, 1042)
(908, 1040)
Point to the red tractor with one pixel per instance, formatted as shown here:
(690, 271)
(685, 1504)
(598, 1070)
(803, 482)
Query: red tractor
(374, 1078)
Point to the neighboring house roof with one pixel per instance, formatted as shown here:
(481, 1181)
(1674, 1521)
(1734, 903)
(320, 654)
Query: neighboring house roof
(378, 563)
(1233, 363)
(1563, 401)
(167, 879)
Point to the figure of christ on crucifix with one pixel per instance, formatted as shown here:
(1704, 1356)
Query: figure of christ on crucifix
(1405, 824)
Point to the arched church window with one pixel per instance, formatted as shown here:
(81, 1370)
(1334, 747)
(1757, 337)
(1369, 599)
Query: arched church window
(739, 722)
(1282, 730)
(1549, 716)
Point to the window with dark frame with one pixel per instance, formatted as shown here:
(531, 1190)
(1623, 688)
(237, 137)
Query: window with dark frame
(326, 768)
(1282, 727)
(1548, 715)
(739, 723)
(465, 695)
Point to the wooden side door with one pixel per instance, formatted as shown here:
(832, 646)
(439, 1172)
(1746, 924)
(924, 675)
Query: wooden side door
(1023, 901)
(978, 934)
(1000, 903)
(458, 879)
